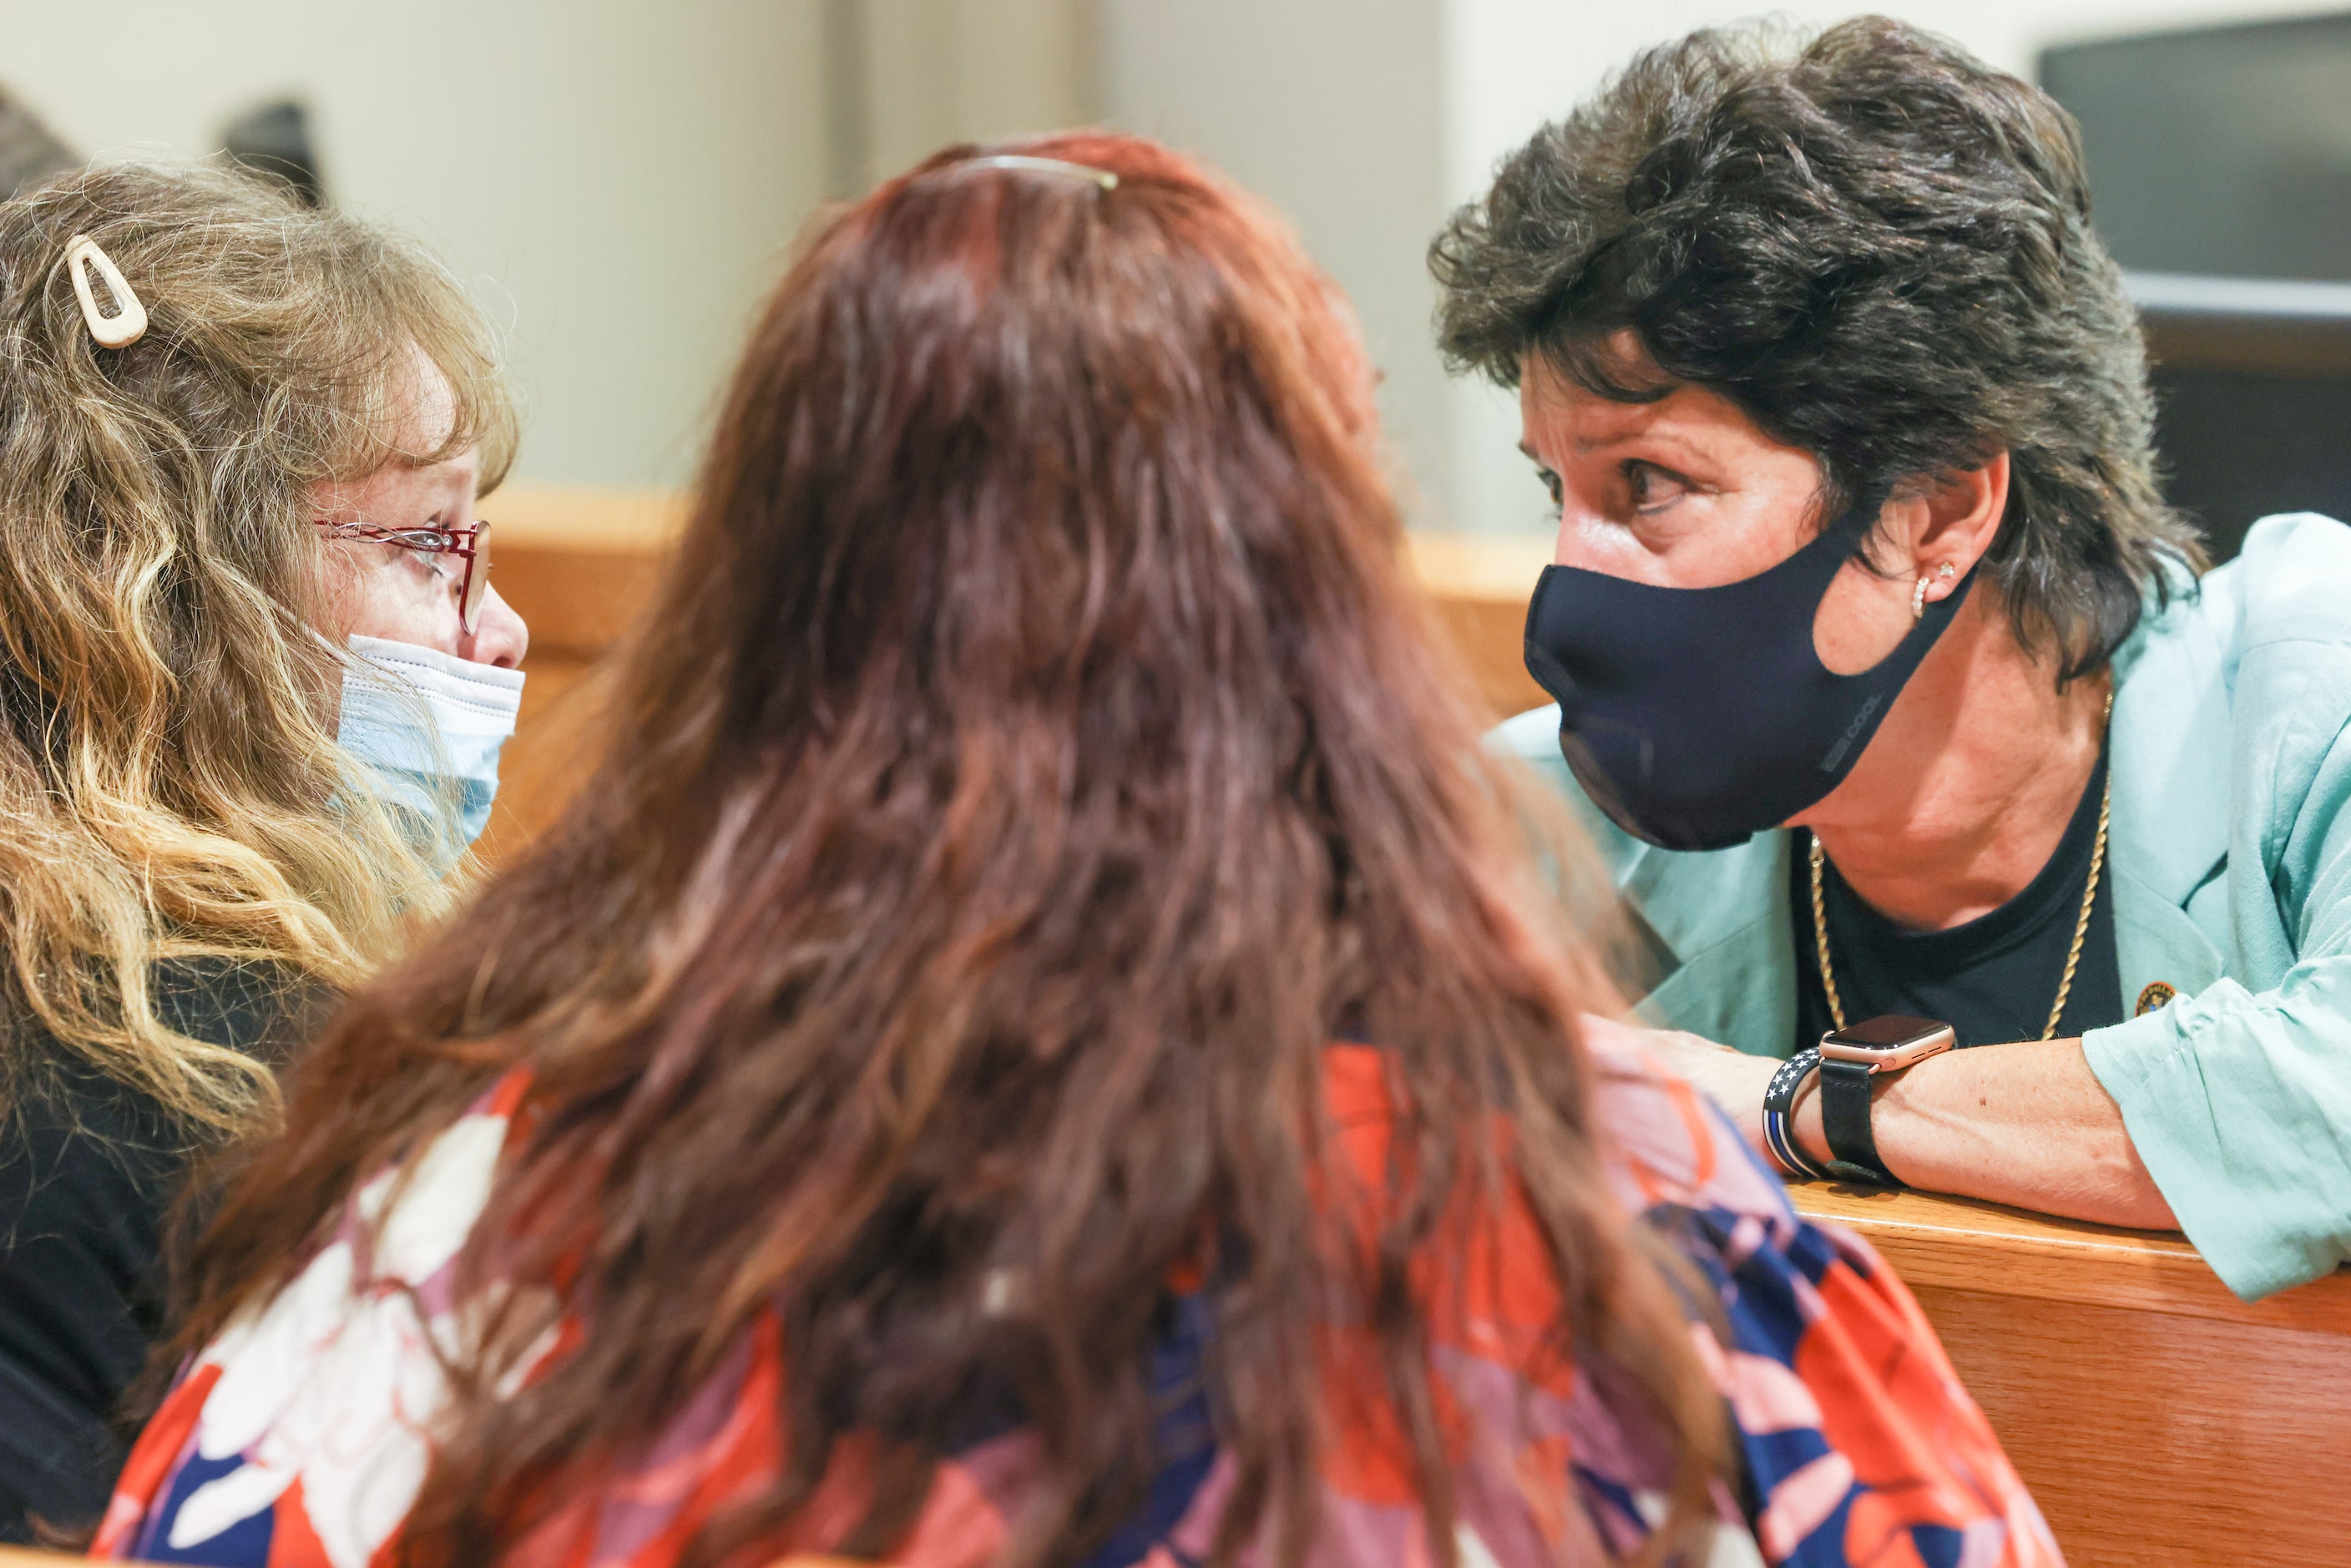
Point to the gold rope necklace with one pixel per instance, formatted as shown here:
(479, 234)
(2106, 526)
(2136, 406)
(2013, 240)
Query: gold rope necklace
(2080, 925)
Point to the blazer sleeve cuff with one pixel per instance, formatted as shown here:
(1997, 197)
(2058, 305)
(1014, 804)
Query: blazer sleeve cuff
(2238, 1107)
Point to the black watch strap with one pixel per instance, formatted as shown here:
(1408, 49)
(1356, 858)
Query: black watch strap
(1845, 1117)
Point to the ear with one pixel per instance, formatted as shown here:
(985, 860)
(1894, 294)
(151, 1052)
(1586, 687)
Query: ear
(1954, 522)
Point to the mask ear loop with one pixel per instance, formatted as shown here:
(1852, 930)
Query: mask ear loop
(129, 323)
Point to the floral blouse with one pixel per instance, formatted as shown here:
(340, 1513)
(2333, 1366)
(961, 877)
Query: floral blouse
(299, 1438)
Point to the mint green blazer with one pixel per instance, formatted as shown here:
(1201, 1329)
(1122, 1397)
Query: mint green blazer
(2229, 852)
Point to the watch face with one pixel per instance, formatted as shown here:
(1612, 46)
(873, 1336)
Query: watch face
(1886, 1044)
(1888, 1031)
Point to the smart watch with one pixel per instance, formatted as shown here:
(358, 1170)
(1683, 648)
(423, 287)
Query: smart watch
(1851, 1059)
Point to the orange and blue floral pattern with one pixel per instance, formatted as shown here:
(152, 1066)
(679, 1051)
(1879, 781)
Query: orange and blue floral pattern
(299, 1439)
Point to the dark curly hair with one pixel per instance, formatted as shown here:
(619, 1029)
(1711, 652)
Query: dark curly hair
(1877, 246)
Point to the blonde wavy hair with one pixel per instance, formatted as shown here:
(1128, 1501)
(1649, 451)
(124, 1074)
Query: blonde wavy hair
(170, 785)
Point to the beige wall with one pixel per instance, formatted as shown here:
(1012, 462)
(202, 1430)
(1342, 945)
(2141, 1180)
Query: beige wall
(620, 177)
(922, 74)
(1331, 110)
(617, 178)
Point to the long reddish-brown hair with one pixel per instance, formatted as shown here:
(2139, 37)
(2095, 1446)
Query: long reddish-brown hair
(1035, 759)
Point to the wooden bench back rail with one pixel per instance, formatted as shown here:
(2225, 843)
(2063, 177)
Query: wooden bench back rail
(580, 564)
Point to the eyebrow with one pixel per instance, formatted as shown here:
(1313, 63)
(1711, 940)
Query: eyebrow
(1646, 430)
(1675, 445)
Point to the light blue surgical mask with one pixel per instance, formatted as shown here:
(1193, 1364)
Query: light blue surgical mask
(429, 726)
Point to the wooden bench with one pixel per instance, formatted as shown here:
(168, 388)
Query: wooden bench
(2159, 1419)
(580, 563)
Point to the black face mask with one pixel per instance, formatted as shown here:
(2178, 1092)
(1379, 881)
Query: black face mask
(1697, 717)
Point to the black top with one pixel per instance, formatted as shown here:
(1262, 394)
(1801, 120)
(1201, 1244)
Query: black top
(88, 1169)
(1992, 979)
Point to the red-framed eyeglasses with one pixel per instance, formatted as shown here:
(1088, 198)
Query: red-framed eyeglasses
(470, 544)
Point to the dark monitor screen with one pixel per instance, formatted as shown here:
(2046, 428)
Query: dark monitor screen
(2221, 150)
(2238, 445)
(2219, 156)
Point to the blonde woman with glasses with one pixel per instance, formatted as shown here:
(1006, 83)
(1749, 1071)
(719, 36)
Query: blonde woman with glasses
(253, 682)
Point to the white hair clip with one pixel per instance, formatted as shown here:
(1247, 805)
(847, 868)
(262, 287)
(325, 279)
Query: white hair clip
(1022, 162)
(128, 322)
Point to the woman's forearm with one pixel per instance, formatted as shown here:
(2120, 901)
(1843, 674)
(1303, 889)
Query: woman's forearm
(2023, 1124)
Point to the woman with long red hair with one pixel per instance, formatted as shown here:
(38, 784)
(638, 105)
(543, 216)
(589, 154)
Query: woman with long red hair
(907, 1113)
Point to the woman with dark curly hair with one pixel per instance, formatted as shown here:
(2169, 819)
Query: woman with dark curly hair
(1889, 678)
(1046, 1045)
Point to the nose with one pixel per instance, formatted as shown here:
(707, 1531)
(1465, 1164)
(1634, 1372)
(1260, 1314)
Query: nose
(499, 635)
(1567, 549)
(1573, 546)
